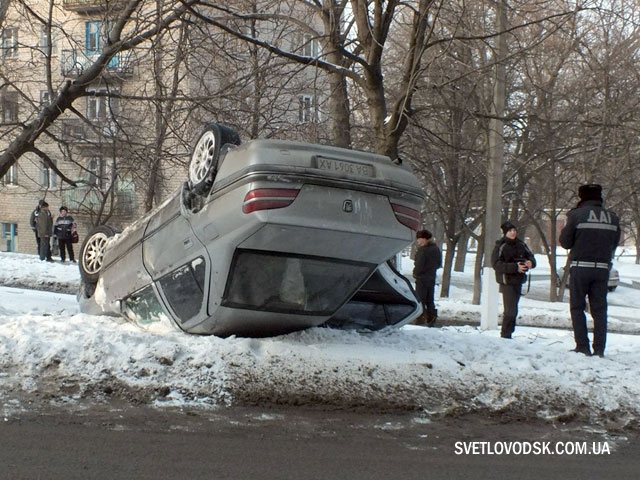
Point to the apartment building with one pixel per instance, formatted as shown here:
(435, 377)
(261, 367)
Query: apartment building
(37, 58)
(125, 145)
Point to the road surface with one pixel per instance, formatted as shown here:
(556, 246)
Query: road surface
(128, 442)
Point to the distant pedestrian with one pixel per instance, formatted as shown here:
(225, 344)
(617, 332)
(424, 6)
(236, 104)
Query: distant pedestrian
(592, 233)
(511, 259)
(44, 227)
(63, 230)
(32, 222)
(427, 261)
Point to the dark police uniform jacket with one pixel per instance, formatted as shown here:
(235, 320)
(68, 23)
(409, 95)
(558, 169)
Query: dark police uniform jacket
(592, 233)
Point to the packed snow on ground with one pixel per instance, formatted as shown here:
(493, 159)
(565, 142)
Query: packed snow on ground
(51, 352)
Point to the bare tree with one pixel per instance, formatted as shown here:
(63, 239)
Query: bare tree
(574, 124)
(259, 93)
(132, 26)
(354, 46)
(4, 5)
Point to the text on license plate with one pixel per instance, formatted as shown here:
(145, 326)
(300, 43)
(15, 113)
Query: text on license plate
(342, 166)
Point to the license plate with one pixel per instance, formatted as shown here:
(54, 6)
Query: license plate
(343, 166)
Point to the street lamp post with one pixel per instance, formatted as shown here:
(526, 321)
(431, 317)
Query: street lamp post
(489, 298)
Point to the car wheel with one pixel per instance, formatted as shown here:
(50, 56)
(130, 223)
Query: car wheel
(204, 158)
(611, 289)
(92, 253)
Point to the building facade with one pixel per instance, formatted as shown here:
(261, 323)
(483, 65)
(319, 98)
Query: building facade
(123, 146)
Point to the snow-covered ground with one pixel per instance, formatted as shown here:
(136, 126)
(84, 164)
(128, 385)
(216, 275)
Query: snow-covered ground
(50, 352)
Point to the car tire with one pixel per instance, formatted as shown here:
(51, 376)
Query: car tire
(611, 289)
(203, 165)
(92, 253)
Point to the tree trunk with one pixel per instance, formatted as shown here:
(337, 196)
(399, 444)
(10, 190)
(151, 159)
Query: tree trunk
(446, 271)
(339, 111)
(477, 273)
(461, 252)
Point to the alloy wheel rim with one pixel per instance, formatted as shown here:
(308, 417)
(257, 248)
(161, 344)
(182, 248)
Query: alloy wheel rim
(94, 253)
(202, 157)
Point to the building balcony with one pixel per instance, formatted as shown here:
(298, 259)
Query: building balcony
(74, 62)
(101, 131)
(86, 199)
(90, 6)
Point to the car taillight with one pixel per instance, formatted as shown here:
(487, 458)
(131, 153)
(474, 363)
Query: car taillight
(268, 198)
(407, 216)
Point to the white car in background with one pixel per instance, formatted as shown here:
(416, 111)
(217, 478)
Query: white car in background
(264, 238)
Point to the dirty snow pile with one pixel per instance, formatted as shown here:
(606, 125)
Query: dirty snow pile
(50, 352)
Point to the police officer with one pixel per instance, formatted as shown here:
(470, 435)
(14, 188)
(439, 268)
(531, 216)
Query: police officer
(592, 233)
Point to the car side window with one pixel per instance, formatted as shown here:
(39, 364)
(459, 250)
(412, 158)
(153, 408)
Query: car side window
(143, 308)
(184, 289)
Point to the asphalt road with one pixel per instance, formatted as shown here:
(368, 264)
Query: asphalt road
(109, 442)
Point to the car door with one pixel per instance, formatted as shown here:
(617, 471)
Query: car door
(178, 263)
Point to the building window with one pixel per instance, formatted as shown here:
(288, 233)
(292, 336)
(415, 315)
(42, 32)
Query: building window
(48, 39)
(9, 234)
(70, 63)
(11, 177)
(96, 108)
(95, 171)
(308, 111)
(92, 38)
(100, 106)
(45, 98)
(9, 102)
(309, 46)
(48, 178)
(10, 42)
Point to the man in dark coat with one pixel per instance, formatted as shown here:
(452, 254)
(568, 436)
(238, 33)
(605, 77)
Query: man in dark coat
(511, 259)
(44, 227)
(592, 233)
(428, 259)
(32, 222)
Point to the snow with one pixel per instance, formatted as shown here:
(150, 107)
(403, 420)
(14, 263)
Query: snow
(52, 353)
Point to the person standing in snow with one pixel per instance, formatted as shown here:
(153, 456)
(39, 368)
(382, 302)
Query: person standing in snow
(44, 227)
(592, 233)
(511, 259)
(428, 259)
(32, 222)
(63, 229)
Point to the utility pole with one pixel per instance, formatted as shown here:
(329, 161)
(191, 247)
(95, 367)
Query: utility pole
(489, 298)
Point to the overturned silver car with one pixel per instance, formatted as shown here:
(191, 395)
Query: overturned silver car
(265, 237)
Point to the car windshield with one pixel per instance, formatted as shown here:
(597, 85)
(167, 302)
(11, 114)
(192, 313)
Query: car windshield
(281, 282)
